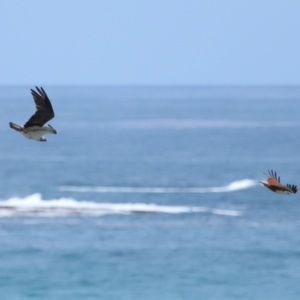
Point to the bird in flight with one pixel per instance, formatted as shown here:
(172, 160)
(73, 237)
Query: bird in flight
(33, 129)
(273, 184)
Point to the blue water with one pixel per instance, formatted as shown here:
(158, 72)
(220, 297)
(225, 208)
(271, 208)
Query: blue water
(151, 193)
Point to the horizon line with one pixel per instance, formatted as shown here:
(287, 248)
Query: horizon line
(157, 85)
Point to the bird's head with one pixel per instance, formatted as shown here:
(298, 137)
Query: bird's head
(54, 131)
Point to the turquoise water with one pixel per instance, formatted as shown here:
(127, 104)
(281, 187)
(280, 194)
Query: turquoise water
(151, 193)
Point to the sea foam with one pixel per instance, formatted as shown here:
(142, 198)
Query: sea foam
(234, 186)
(34, 205)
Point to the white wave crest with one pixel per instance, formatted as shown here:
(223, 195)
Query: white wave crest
(234, 186)
(34, 205)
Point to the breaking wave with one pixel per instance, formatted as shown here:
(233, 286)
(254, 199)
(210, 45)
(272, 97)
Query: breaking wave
(34, 205)
(234, 186)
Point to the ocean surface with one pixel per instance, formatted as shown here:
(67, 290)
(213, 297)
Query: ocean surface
(151, 193)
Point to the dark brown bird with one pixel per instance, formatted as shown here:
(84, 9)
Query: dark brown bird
(273, 184)
(34, 128)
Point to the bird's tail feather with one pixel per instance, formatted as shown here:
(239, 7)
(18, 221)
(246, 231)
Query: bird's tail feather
(15, 126)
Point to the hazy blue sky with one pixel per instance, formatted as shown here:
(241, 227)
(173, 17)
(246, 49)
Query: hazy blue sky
(171, 42)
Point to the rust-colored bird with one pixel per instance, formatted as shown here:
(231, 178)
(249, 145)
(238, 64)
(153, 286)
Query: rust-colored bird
(273, 184)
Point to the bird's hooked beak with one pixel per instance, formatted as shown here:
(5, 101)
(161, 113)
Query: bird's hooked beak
(54, 131)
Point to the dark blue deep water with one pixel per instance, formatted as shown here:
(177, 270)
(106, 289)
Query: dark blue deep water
(151, 193)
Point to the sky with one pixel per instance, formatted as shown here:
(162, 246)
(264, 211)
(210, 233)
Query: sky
(150, 42)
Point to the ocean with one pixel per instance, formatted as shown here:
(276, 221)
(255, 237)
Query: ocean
(151, 193)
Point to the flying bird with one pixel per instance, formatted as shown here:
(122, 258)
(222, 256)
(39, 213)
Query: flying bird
(273, 184)
(34, 128)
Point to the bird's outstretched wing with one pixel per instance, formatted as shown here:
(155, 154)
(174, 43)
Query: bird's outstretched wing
(292, 187)
(273, 179)
(44, 111)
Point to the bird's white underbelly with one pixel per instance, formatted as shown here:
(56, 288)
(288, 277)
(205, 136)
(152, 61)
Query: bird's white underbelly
(36, 133)
(283, 192)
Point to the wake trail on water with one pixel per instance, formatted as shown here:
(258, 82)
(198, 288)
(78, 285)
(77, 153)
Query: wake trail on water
(34, 205)
(234, 186)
